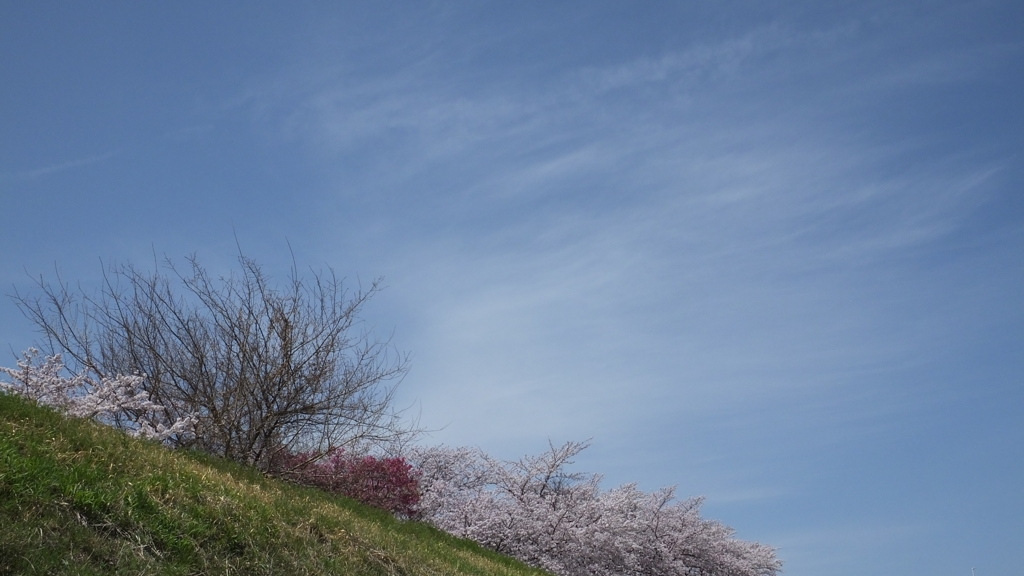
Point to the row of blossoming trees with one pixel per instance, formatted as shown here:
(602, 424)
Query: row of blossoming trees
(537, 511)
(288, 381)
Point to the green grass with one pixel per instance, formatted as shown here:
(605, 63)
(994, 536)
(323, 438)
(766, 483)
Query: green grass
(80, 498)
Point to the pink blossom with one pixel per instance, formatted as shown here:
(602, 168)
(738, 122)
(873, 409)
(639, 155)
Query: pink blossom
(120, 400)
(537, 511)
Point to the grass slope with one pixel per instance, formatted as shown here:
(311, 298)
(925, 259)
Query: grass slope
(80, 498)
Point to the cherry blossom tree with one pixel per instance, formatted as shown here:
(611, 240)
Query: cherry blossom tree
(537, 511)
(119, 400)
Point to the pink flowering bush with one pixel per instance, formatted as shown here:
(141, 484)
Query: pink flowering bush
(388, 483)
(118, 401)
(536, 511)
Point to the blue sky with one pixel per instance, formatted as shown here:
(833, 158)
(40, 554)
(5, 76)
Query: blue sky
(770, 252)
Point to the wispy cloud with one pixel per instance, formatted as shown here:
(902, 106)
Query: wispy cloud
(68, 165)
(639, 212)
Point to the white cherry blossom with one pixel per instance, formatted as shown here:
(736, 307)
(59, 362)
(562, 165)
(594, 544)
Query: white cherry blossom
(537, 511)
(120, 401)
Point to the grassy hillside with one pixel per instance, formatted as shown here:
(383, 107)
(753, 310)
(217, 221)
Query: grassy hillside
(79, 498)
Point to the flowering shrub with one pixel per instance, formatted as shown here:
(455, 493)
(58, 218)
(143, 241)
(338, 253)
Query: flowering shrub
(118, 401)
(536, 511)
(388, 483)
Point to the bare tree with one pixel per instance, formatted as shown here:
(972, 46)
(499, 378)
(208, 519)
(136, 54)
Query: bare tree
(262, 368)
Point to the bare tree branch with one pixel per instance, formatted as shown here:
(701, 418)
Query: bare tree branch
(263, 367)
